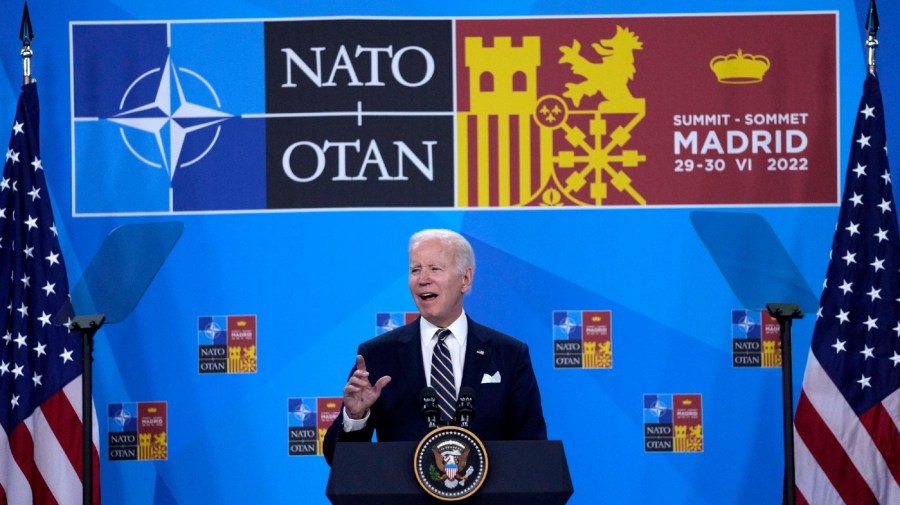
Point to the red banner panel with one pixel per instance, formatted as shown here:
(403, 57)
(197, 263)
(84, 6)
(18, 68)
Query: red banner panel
(657, 111)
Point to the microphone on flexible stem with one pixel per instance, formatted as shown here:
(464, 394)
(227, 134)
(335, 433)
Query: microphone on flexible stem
(429, 407)
(465, 406)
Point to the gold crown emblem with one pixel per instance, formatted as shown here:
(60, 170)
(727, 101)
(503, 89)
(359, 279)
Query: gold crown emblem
(740, 68)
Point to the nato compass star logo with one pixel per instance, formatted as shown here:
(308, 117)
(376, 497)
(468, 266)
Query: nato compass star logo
(659, 409)
(171, 117)
(212, 331)
(303, 414)
(747, 324)
(123, 418)
(568, 326)
(390, 325)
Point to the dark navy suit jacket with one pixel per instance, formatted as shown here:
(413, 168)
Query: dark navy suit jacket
(508, 410)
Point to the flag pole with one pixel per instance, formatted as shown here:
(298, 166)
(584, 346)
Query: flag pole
(25, 35)
(785, 313)
(871, 31)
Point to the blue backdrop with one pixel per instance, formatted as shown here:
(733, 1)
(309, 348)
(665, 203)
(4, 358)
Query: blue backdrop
(671, 278)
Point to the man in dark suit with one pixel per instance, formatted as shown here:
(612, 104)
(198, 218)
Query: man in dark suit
(405, 360)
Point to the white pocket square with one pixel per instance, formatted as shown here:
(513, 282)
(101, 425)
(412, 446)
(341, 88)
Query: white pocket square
(491, 379)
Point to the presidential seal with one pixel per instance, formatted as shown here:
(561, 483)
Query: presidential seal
(450, 463)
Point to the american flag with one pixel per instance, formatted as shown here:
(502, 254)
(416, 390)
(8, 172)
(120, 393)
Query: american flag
(847, 442)
(40, 361)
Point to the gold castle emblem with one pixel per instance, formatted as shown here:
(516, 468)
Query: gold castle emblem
(740, 68)
(517, 149)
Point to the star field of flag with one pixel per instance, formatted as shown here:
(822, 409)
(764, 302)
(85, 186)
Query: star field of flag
(856, 336)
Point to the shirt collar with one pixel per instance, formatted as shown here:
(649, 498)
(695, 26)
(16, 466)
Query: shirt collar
(459, 328)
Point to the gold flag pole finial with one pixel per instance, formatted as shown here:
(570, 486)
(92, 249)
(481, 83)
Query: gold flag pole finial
(26, 35)
(871, 41)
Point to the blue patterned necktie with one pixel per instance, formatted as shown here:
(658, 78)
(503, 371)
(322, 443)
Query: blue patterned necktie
(442, 376)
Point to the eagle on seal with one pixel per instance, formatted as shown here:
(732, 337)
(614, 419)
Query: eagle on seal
(450, 465)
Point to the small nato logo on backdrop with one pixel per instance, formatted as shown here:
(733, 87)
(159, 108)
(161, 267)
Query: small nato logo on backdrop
(673, 423)
(138, 431)
(308, 420)
(582, 339)
(755, 339)
(226, 344)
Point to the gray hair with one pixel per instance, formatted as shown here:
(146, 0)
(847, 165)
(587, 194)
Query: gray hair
(463, 255)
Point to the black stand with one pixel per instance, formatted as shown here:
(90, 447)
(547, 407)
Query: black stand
(521, 472)
(88, 326)
(110, 288)
(785, 313)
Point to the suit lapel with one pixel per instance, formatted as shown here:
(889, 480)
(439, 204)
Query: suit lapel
(478, 355)
(410, 351)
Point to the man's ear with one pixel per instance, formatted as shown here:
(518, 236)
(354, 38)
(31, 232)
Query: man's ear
(467, 279)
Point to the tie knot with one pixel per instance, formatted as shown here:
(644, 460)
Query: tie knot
(442, 334)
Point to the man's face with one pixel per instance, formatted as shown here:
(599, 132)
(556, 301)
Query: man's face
(436, 284)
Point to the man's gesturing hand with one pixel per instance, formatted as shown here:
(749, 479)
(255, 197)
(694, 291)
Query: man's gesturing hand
(359, 393)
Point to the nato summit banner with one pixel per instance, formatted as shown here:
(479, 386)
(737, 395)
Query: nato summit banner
(340, 113)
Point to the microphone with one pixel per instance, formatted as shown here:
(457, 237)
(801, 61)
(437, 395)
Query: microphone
(429, 407)
(465, 406)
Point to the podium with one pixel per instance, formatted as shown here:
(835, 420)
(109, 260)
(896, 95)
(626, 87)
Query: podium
(522, 472)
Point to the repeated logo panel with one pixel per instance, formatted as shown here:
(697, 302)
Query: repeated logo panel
(138, 431)
(582, 339)
(673, 423)
(755, 339)
(227, 344)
